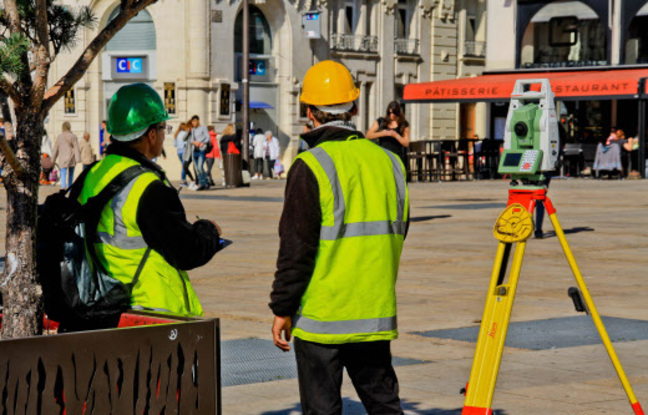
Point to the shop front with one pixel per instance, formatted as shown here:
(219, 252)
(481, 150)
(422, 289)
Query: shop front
(590, 102)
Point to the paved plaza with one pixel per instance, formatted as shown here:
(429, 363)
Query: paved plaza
(553, 363)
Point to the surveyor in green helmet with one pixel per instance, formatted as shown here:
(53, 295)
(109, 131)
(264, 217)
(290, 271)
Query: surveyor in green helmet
(143, 233)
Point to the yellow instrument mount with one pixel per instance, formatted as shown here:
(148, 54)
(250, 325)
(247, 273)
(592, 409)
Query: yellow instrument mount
(515, 226)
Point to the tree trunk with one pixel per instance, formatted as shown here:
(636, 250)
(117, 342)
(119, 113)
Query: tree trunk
(21, 290)
(4, 107)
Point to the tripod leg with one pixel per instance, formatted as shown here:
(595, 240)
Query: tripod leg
(595, 315)
(492, 333)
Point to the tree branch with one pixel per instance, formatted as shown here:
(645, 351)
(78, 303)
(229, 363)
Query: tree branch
(128, 10)
(9, 89)
(42, 55)
(42, 32)
(12, 14)
(11, 157)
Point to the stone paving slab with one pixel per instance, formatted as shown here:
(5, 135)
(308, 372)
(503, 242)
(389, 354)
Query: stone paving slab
(555, 332)
(247, 361)
(445, 270)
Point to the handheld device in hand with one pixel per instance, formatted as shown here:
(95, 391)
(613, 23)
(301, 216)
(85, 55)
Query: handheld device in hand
(224, 243)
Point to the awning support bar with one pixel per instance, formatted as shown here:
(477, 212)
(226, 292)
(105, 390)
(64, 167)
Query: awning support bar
(641, 134)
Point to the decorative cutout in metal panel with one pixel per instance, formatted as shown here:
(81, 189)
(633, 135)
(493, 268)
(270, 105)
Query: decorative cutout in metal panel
(163, 369)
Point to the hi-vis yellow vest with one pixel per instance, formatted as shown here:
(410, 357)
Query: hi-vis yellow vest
(364, 201)
(121, 248)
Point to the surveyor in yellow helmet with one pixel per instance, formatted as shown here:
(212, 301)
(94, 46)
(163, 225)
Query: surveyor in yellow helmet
(344, 221)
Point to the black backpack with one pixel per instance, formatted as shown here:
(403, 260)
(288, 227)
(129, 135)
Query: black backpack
(77, 290)
(209, 146)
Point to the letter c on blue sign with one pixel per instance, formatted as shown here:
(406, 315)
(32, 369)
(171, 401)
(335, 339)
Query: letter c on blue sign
(261, 70)
(122, 65)
(136, 65)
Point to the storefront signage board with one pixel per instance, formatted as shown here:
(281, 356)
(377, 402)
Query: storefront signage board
(498, 87)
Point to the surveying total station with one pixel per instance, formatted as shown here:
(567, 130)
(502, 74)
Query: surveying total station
(531, 149)
(531, 142)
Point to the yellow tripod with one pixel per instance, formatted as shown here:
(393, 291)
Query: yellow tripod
(515, 225)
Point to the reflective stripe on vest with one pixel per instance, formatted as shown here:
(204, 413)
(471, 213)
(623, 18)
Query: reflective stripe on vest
(371, 325)
(364, 203)
(120, 238)
(348, 230)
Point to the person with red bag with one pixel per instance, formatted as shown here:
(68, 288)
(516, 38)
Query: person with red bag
(227, 143)
(212, 155)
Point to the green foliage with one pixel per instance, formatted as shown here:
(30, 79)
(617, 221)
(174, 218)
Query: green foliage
(12, 51)
(63, 24)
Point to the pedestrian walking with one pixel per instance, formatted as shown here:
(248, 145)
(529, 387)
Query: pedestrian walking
(257, 145)
(187, 157)
(87, 152)
(104, 138)
(213, 155)
(66, 150)
(201, 141)
(270, 154)
(180, 139)
(392, 131)
(228, 136)
(47, 165)
(334, 288)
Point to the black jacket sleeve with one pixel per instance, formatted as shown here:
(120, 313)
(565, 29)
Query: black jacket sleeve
(299, 231)
(165, 229)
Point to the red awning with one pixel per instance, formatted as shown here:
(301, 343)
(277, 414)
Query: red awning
(597, 84)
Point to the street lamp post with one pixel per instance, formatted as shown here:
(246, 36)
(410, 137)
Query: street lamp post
(245, 76)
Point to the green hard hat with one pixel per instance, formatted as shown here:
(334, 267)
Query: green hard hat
(133, 109)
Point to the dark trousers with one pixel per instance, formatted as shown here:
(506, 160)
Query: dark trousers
(258, 166)
(268, 167)
(319, 367)
(540, 210)
(210, 165)
(185, 168)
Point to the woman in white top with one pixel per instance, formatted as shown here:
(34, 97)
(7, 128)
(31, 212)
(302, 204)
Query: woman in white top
(270, 154)
(180, 138)
(257, 143)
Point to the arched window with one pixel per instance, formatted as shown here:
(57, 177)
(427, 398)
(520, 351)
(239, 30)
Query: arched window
(259, 33)
(565, 32)
(637, 41)
(403, 19)
(138, 34)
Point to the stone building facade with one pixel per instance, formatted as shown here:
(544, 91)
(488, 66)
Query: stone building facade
(189, 50)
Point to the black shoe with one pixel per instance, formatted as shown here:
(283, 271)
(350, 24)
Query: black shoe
(539, 235)
(201, 187)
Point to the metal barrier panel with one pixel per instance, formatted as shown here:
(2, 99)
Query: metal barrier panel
(160, 369)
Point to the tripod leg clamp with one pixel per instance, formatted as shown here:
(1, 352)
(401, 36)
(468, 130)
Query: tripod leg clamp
(577, 298)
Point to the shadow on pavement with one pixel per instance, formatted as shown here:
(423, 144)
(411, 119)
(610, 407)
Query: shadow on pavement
(552, 234)
(353, 407)
(426, 218)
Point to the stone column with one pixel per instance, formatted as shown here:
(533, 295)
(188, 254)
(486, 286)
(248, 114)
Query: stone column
(198, 53)
(362, 102)
(386, 49)
(444, 66)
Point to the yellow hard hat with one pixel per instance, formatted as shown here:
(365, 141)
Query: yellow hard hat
(328, 83)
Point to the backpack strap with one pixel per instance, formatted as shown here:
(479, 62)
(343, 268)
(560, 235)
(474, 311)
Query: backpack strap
(77, 186)
(96, 203)
(94, 206)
